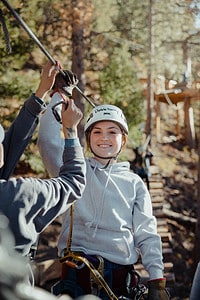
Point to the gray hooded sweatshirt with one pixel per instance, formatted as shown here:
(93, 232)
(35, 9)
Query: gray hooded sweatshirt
(114, 217)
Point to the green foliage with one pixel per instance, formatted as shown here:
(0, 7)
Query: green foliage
(19, 70)
(17, 78)
(116, 53)
(34, 162)
(31, 162)
(172, 31)
(132, 21)
(119, 85)
(20, 84)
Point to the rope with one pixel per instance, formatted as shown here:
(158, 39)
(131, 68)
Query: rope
(69, 241)
(5, 33)
(94, 272)
(75, 257)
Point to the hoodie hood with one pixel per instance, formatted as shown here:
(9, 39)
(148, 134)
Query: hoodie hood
(116, 167)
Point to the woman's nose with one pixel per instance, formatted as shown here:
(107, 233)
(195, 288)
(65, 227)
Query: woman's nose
(105, 136)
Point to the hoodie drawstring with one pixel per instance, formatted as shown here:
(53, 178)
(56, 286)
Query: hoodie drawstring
(97, 216)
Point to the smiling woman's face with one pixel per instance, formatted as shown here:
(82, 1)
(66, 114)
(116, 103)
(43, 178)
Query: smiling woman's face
(106, 139)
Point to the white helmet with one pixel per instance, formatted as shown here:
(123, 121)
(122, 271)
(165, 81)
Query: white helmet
(1, 134)
(107, 112)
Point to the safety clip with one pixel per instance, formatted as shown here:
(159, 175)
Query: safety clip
(57, 111)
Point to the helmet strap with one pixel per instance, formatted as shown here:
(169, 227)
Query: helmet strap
(109, 159)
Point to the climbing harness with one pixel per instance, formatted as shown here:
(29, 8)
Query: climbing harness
(56, 111)
(73, 260)
(78, 261)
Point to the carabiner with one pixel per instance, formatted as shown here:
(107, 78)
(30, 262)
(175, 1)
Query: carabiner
(57, 112)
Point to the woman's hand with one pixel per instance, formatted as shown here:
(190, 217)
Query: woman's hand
(71, 116)
(47, 80)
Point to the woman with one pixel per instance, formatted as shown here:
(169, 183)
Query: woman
(113, 222)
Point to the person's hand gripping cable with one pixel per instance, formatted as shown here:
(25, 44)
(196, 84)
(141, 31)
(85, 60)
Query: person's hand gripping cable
(64, 85)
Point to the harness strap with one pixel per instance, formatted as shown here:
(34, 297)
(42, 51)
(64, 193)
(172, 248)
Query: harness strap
(69, 240)
(71, 259)
(97, 275)
(77, 261)
(95, 286)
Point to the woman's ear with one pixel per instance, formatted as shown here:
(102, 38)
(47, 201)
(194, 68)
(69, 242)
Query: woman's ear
(124, 140)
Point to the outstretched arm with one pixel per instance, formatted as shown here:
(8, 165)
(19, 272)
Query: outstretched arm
(30, 203)
(20, 132)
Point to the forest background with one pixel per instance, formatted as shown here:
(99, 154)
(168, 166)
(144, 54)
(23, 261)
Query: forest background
(123, 52)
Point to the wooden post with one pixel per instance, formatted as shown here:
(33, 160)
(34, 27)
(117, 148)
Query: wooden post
(189, 130)
(157, 118)
(78, 11)
(177, 124)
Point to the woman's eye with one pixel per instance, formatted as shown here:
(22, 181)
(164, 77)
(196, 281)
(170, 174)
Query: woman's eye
(96, 132)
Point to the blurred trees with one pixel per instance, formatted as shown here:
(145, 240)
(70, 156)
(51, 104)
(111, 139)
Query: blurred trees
(20, 69)
(119, 85)
(106, 43)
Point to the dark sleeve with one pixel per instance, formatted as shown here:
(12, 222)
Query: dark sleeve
(31, 204)
(20, 133)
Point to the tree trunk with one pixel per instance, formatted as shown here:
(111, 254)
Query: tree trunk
(78, 10)
(150, 92)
